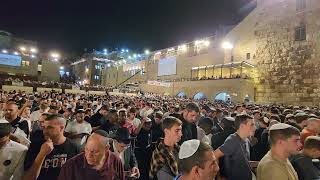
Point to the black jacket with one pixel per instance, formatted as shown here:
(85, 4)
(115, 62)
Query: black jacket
(130, 160)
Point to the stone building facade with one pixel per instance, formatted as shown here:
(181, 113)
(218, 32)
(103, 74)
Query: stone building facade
(280, 37)
(35, 66)
(283, 38)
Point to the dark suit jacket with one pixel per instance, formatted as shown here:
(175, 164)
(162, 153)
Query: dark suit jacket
(130, 160)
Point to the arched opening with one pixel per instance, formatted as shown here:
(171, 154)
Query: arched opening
(247, 98)
(199, 96)
(223, 96)
(181, 94)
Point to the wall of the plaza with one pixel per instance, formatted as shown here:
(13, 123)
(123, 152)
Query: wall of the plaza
(287, 68)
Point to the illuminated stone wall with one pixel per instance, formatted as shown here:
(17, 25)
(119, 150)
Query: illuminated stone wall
(287, 69)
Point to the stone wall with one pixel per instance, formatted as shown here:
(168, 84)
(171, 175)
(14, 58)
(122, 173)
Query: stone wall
(286, 68)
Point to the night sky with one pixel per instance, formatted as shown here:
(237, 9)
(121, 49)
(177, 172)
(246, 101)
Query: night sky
(72, 25)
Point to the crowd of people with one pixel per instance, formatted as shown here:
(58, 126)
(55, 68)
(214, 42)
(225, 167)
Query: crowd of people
(59, 136)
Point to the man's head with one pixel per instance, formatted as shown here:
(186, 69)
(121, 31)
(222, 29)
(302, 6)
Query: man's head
(172, 128)
(79, 115)
(245, 124)
(43, 105)
(54, 126)
(104, 110)
(122, 115)
(11, 111)
(301, 119)
(42, 119)
(227, 122)
(132, 113)
(263, 122)
(112, 116)
(285, 137)
(53, 109)
(206, 124)
(312, 147)
(191, 112)
(96, 147)
(147, 124)
(313, 124)
(256, 114)
(197, 161)
(67, 113)
(239, 109)
(158, 117)
(122, 139)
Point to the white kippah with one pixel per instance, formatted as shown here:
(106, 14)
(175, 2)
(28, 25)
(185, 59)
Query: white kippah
(279, 126)
(230, 119)
(266, 120)
(3, 121)
(188, 148)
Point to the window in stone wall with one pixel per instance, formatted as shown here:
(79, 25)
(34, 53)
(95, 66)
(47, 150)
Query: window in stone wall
(300, 33)
(301, 5)
(248, 56)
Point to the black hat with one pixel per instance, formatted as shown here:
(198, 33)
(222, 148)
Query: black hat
(101, 133)
(122, 135)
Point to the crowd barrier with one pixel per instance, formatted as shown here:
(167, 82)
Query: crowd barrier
(17, 88)
(48, 89)
(27, 89)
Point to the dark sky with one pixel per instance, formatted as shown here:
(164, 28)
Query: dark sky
(72, 25)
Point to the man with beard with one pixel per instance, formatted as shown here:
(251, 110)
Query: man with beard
(188, 117)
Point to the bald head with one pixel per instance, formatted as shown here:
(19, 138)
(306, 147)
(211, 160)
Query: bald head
(98, 139)
(96, 148)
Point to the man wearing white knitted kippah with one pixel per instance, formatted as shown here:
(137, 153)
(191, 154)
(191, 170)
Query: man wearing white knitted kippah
(197, 161)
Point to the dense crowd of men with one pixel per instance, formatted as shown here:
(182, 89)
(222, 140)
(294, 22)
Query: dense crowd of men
(58, 136)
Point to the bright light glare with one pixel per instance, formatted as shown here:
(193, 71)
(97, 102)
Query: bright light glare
(55, 55)
(183, 47)
(206, 43)
(33, 50)
(22, 48)
(227, 45)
